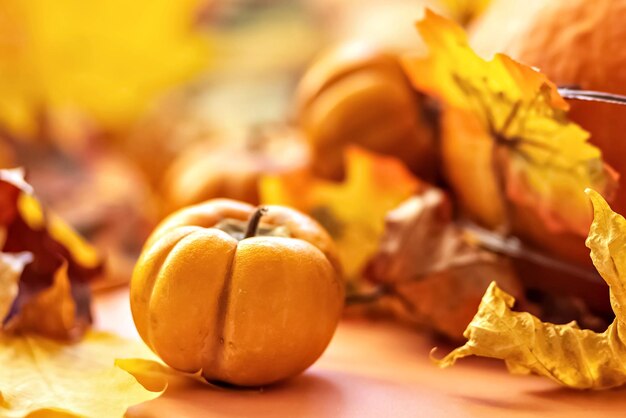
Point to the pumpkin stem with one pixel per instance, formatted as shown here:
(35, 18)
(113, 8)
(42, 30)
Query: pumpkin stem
(253, 223)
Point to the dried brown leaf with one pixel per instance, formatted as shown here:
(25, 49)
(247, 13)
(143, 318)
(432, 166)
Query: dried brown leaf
(433, 267)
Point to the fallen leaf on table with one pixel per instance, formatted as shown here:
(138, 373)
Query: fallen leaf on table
(434, 269)
(54, 284)
(77, 380)
(571, 356)
(353, 211)
(505, 134)
(110, 48)
(45, 269)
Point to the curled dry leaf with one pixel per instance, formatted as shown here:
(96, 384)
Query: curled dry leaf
(353, 211)
(434, 268)
(77, 380)
(505, 133)
(54, 284)
(571, 356)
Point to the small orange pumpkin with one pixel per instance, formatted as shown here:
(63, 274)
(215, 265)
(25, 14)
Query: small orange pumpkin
(247, 296)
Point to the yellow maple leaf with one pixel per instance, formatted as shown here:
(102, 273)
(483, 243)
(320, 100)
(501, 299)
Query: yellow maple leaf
(80, 380)
(512, 121)
(354, 211)
(569, 355)
(105, 58)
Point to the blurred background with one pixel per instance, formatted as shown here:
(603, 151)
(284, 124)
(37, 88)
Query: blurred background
(116, 108)
(122, 112)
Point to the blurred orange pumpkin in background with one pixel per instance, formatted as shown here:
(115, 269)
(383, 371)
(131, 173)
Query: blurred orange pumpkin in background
(358, 94)
(232, 168)
(247, 296)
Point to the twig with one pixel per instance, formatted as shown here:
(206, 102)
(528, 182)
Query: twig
(592, 96)
(514, 248)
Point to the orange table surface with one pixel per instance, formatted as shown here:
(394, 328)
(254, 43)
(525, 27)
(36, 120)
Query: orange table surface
(372, 369)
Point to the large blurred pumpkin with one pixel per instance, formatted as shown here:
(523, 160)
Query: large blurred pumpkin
(358, 94)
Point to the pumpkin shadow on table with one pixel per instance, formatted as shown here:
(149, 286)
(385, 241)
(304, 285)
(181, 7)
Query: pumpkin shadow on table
(307, 395)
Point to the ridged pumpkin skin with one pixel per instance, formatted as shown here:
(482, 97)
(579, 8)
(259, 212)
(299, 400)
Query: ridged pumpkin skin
(248, 312)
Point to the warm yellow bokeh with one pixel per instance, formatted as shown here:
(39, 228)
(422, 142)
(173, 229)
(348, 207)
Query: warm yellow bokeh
(105, 58)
